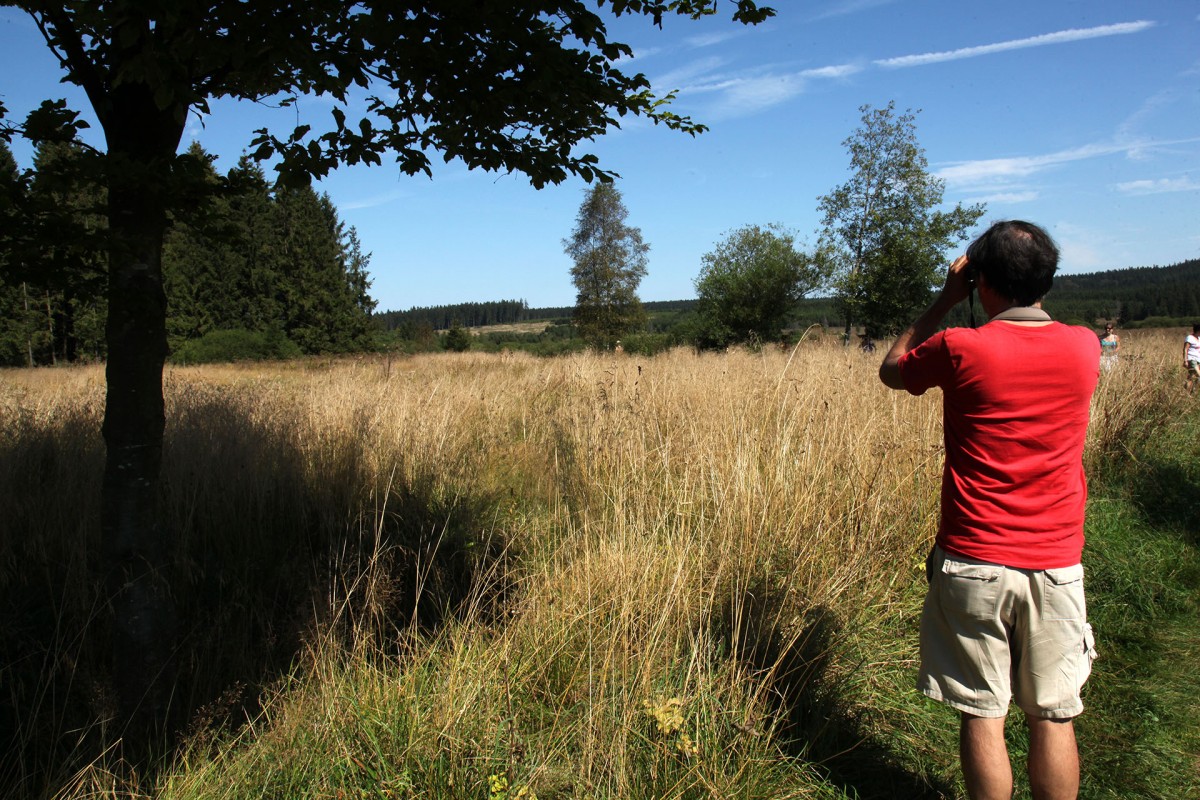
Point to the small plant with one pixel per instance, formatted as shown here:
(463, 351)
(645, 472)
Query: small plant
(667, 714)
(498, 789)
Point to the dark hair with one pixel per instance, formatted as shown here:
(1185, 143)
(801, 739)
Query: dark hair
(1018, 259)
(1196, 327)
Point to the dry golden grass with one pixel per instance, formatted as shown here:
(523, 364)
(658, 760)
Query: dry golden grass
(555, 543)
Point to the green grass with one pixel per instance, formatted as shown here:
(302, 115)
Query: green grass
(1141, 734)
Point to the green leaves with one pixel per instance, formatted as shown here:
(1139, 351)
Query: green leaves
(882, 228)
(52, 121)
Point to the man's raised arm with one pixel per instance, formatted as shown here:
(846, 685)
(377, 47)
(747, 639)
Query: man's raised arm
(957, 288)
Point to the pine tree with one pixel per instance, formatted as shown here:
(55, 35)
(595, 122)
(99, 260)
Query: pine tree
(16, 327)
(61, 258)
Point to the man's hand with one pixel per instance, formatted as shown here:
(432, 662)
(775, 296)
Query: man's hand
(959, 282)
(957, 288)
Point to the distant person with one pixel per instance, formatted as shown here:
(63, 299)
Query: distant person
(618, 349)
(1005, 617)
(1191, 356)
(1110, 346)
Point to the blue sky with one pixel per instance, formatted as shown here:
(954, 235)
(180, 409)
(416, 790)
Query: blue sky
(1081, 116)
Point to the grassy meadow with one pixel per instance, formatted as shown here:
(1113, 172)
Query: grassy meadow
(492, 576)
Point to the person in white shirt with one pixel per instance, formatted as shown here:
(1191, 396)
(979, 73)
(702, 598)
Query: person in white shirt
(1191, 356)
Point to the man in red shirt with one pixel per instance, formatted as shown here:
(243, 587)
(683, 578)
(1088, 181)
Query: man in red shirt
(1005, 617)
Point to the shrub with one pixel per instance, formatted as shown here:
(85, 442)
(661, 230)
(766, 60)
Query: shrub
(236, 345)
(458, 339)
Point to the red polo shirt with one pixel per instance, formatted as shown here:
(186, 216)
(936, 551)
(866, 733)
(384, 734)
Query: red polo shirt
(1015, 401)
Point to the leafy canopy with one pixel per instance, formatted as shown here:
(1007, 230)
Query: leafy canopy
(510, 87)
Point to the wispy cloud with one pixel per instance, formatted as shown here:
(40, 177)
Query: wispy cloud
(1058, 37)
(1005, 198)
(843, 7)
(372, 202)
(1160, 186)
(832, 71)
(990, 170)
(711, 39)
(640, 54)
(1084, 249)
(699, 71)
(745, 94)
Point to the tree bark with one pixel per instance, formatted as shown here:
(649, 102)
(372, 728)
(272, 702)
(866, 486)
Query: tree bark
(142, 140)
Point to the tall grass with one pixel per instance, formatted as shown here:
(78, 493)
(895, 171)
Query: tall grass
(477, 575)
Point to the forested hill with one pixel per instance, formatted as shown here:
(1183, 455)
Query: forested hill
(499, 312)
(1131, 295)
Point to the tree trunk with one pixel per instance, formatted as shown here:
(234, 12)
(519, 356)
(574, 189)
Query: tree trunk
(28, 329)
(142, 140)
(50, 329)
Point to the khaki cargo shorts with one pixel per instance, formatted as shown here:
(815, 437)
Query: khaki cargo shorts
(991, 634)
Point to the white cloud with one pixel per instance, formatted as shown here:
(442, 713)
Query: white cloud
(748, 95)
(844, 7)
(971, 173)
(832, 71)
(710, 39)
(372, 202)
(1083, 249)
(1058, 37)
(974, 173)
(1160, 186)
(689, 73)
(751, 94)
(1005, 198)
(639, 53)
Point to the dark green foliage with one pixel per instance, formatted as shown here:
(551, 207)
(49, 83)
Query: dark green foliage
(236, 345)
(473, 315)
(1152, 297)
(259, 260)
(239, 256)
(51, 258)
(458, 339)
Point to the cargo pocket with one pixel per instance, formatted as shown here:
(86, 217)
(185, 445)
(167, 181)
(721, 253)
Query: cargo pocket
(1089, 653)
(972, 589)
(1062, 594)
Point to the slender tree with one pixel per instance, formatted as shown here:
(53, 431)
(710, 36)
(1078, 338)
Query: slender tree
(882, 230)
(610, 262)
(749, 284)
(510, 86)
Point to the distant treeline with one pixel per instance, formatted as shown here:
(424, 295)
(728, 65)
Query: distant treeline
(498, 312)
(1132, 296)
